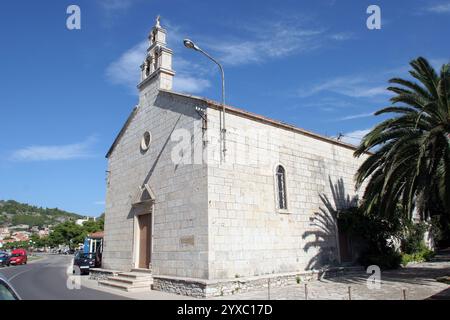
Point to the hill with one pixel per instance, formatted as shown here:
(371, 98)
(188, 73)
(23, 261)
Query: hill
(13, 213)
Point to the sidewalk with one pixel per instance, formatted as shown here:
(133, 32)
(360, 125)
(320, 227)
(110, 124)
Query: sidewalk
(417, 282)
(150, 295)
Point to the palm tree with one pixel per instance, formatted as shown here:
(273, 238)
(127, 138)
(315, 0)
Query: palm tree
(410, 163)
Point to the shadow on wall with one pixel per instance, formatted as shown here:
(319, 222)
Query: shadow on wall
(326, 239)
(132, 212)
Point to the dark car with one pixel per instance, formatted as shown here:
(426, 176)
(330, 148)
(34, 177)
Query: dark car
(4, 259)
(7, 292)
(82, 262)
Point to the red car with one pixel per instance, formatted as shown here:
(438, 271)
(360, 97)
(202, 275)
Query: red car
(18, 256)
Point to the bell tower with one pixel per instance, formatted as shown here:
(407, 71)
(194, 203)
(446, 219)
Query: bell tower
(157, 65)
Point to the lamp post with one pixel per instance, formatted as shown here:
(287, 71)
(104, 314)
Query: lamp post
(191, 45)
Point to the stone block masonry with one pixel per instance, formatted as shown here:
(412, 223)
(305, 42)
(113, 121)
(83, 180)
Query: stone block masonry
(199, 288)
(217, 225)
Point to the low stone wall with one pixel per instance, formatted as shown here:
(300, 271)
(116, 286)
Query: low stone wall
(199, 288)
(214, 288)
(101, 274)
(194, 288)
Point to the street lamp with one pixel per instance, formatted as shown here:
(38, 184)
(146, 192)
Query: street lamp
(191, 45)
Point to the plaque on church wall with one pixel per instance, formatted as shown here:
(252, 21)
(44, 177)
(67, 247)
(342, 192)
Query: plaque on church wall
(188, 241)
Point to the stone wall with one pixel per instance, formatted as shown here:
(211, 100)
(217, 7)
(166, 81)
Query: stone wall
(180, 210)
(219, 220)
(215, 288)
(204, 289)
(248, 235)
(101, 274)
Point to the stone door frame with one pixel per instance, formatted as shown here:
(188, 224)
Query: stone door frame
(143, 208)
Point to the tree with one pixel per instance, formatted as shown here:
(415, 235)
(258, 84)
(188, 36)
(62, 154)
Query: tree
(92, 226)
(410, 163)
(67, 233)
(17, 245)
(39, 242)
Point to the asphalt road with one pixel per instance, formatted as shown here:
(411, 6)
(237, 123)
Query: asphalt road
(48, 279)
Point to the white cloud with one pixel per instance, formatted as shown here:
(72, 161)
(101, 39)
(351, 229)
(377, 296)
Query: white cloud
(440, 8)
(126, 69)
(190, 77)
(351, 86)
(190, 84)
(370, 85)
(52, 153)
(116, 5)
(355, 137)
(113, 9)
(258, 43)
(267, 41)
(342, 36)
(356, 116)
(327, 103)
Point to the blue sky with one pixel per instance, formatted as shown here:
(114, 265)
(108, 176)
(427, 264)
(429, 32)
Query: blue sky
(64, 94)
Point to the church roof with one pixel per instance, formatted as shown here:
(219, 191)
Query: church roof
(263, 119)
(122, 131)
(238, 112)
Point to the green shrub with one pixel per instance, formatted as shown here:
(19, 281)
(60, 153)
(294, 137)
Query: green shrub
(444, 279)
(428, 255)
(390, 259)
(413, 241)
(424, 254)
(373, 230)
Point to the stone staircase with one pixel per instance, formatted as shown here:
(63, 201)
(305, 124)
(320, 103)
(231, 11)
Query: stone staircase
(137, 280)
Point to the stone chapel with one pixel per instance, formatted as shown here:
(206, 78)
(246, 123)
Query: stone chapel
(205, 220)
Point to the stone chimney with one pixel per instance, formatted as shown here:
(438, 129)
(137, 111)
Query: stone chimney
(157, 66)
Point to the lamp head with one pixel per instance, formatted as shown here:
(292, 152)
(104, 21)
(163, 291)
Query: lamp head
(190, 44)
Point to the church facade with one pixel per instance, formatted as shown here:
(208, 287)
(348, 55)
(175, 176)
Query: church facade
(213, 199)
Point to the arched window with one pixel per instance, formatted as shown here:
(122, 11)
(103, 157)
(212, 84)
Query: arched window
(156, 61)
(281, 187)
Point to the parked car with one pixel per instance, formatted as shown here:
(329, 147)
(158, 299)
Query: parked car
(7, 292)
(4, 259)
(18, 256)
(82, 262)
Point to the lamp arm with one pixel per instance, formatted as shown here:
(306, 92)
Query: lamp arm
(223, 95)
(221, 70)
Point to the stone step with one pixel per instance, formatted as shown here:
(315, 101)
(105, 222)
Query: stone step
(138, 287)
(135, 275)
(132, 281)
(147, 271)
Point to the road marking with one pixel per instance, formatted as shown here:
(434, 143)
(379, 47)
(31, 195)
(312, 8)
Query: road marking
(20, 273)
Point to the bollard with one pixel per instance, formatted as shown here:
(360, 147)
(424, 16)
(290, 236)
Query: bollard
(306, 291)
(404, 294)
(349, 293)
(268, 289)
